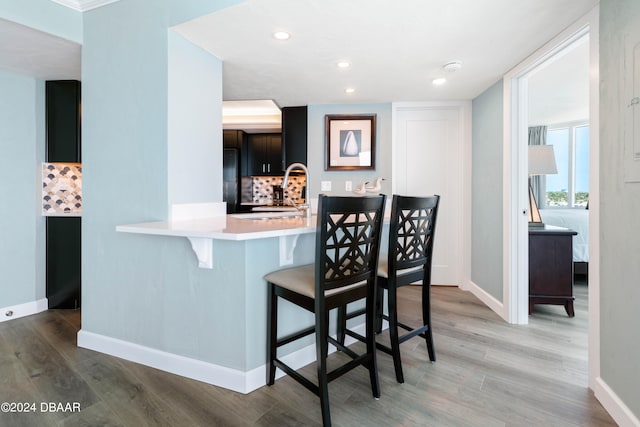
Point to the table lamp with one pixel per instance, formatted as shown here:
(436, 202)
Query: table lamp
(542, 161)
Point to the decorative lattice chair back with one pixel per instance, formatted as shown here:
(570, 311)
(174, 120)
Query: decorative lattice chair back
(411, 231)
(348, 235)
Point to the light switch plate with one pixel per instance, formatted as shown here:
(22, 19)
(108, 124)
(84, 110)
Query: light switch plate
(348, 186)
(325, 185)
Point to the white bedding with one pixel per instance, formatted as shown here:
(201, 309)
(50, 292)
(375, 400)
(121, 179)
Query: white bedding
(575, 219)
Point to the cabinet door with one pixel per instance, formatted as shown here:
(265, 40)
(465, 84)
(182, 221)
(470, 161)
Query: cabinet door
(63, 120)
(230, 138)
(274, 154)
(256, 154)
(264, 154)
(63, 262)
(294, 135)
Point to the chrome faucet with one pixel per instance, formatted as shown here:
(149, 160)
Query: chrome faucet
(285, 182)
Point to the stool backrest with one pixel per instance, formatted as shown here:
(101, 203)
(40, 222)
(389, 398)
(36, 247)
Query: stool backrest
(411, 233)
(347, 240)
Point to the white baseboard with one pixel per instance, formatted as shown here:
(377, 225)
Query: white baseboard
(488, 299)
(22, 310)
(620, 412)
(232, 379)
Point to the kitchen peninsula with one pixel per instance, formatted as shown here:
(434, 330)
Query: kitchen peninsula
(234, 252)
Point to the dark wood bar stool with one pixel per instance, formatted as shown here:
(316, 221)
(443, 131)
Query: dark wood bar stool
(411, 234)
(347, 250)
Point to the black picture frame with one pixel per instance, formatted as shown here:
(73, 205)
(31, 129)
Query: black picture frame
(350, 142)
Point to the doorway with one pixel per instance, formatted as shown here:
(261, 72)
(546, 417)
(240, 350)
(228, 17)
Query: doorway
(515, 250)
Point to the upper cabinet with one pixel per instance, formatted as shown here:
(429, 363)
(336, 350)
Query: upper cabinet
(232, 138)
(294, 135)
(63, 121)
(264, 154)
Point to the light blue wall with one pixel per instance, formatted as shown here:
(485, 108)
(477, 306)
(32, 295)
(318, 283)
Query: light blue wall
(316, 148)
(486, 191)
(195, 98)
(44, 15)
(619, 210)
(186, 10)
(21, 225)
(146, 289)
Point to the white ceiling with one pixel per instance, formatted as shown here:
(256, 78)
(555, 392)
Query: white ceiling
(396, 47)
(24, 50)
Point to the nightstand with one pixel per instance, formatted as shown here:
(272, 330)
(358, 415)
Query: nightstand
(551, 267)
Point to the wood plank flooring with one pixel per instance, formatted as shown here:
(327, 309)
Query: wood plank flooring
(487, 373)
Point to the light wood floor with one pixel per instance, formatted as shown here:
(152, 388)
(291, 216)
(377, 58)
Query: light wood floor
(488, 373)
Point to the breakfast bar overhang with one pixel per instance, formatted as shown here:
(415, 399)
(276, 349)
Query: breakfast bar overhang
(234, 252)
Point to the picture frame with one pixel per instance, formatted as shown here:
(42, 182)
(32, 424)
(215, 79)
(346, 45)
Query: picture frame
(350, 142)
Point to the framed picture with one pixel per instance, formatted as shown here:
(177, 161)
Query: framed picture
(351, 142)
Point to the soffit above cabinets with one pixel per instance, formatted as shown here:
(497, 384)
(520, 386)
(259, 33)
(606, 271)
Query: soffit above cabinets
(253, 116)
(83, 5)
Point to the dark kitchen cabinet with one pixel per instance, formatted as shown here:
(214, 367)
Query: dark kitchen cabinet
(237, 139)
(232, 138)
(294, 135)
(63, 121)
(63, 262)
(63, 234)
(264, 154)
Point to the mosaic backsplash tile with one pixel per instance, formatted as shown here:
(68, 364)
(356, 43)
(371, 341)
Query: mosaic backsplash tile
(61, 188)
(259, 189)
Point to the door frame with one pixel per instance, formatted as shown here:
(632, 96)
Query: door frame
(515, 187)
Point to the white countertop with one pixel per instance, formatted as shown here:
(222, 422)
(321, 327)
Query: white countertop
(229, 227)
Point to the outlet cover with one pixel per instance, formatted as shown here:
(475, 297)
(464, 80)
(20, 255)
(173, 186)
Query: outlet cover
(325, 185)
(348, 186)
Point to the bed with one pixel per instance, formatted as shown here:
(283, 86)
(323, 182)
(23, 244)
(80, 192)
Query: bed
(577, 220)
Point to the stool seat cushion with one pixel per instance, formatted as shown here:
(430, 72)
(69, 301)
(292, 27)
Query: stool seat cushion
(301, 280)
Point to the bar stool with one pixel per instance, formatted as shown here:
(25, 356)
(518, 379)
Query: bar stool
(347, 250)
(411, 233)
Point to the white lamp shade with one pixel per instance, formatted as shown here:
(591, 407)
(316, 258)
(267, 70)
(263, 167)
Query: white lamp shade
(542, 160)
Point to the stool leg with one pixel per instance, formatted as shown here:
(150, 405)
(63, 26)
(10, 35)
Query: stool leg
(322, 348)
(426, 318)
(370, 321)
(393, 331)
(342, 324)
(379, 307)
(272, 332)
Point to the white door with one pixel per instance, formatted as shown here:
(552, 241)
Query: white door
(428, 160)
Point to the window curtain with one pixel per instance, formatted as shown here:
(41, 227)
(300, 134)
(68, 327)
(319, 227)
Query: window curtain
(538, 136)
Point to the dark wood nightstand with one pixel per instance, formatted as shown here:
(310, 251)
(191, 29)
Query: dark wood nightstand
(551, 267)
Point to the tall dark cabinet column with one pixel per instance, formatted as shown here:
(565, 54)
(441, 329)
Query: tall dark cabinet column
(294, 135)
(63, 235)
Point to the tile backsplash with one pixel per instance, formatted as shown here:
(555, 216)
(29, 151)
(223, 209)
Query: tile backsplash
(61, 189)
(259, 189)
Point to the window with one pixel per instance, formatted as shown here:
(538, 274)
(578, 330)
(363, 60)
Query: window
(570, 186)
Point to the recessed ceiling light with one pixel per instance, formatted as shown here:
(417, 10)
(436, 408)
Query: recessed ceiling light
(349, 90)
(343, 64)
(439, 81)
(281, 35)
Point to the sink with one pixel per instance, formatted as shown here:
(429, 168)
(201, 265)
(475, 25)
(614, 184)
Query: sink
(273, 208)
(267, 215)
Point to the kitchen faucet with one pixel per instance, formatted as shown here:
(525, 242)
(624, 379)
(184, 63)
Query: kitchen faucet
(285, 181)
